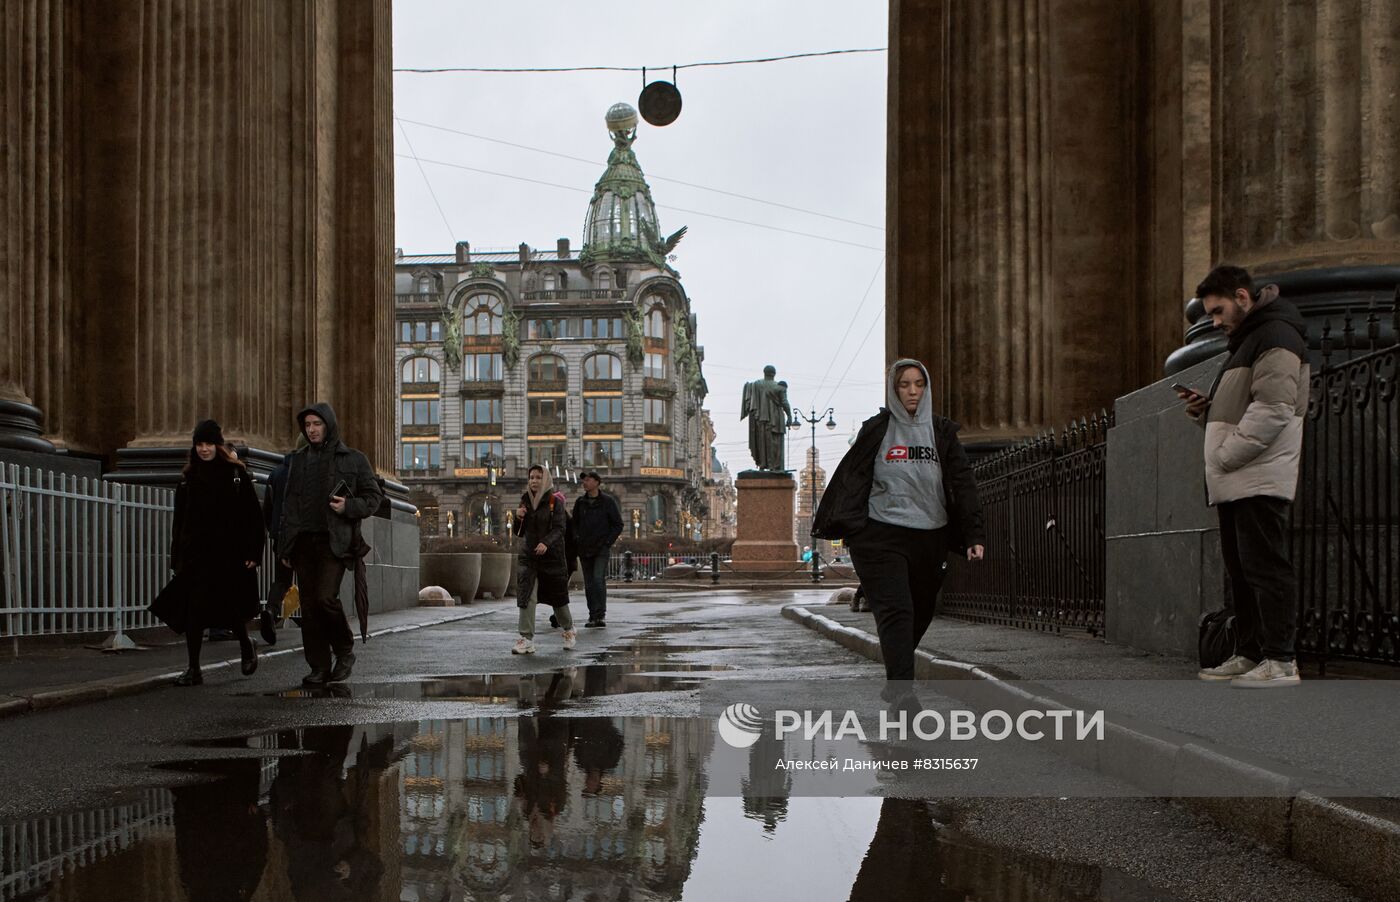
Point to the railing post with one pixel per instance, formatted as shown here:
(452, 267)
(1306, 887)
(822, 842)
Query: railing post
(816, 566)
(119, 640)
(627, 566)
(714, 567)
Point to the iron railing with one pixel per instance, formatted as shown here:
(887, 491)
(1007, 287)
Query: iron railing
(1043, 503)
(81, 555)
(1346, 518)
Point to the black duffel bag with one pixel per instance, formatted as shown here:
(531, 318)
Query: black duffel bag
(1218, 636)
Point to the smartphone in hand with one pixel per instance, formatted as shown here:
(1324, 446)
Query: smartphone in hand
(341, 490)
(1177, 386)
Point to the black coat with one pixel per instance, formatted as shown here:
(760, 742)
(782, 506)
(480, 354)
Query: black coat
(545, 524)
(845, 505)
(596, 524)
(218, 526)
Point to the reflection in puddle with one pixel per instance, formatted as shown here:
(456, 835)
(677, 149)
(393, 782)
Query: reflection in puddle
(543, 806)
(547, 690)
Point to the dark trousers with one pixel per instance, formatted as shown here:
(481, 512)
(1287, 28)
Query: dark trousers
(1259, 583)
(595, 583)
(901, 571)
(324, 627)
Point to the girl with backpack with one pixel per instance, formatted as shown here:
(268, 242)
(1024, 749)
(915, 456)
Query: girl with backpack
(542, 523)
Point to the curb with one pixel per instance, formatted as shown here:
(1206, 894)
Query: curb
(49, 698)
(1353, 841)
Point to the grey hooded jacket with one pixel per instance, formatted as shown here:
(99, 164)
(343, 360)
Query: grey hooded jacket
(347, 464)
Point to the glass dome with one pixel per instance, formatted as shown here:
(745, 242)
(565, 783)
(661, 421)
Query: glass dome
(621, 221)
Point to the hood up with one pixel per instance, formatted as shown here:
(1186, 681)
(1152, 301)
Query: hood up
(327, 413)
(924, 415)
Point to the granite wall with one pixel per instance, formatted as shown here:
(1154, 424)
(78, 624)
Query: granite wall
(1163, 543)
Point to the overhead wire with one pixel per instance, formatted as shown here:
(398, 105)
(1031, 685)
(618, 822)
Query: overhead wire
(429, 70)
(451, 234)
(846, 334)
(650, 175)
(716, 216)
(854, 357)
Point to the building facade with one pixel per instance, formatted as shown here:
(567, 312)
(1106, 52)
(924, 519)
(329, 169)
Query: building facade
(578, 361)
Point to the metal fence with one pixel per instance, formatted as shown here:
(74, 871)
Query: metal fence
(645, 566)
(81, 555)
(1346, 519)
(35, 852)
(1043, 501)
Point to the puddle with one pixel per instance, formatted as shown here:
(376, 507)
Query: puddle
(544, 806)
(557, 688)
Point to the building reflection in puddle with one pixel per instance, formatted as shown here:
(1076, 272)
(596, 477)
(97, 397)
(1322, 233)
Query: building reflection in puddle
(541, 806)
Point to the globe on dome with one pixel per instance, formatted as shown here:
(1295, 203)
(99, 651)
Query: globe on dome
(621, 117)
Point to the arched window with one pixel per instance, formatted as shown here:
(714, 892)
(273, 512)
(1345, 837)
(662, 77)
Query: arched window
(654, 326)
(484, 513)
(420, 369)
(481, 315)
(425, 284)
(602, 367)
(548, 368)
(603, 279)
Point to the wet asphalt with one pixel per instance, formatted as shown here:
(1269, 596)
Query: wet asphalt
(447, 768)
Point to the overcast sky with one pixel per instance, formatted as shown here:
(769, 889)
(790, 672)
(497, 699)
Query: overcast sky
(801, 133)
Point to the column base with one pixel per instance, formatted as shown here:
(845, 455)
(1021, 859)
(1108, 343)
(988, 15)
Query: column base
(20, 428)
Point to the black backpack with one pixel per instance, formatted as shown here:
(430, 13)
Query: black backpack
(1218, 638)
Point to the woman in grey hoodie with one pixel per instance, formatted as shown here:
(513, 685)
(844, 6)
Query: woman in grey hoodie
(903, 498)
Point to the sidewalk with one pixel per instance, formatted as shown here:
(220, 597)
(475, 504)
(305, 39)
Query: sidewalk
(49, 674)
(1174, 736)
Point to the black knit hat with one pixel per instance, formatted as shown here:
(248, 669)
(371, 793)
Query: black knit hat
(208, 431)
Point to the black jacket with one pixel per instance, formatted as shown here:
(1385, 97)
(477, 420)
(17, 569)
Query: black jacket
(347, 464)
(216, 518)
(845, 505)
(273, 498)
(544, 525)
(596, 524)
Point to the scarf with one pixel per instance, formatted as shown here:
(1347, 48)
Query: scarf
(545, 490)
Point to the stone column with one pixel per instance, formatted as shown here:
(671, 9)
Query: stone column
(1011, 209)
(33, 218)
(1307, 96)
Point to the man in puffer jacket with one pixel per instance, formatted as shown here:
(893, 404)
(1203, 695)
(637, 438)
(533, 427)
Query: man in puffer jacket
(1253, 421)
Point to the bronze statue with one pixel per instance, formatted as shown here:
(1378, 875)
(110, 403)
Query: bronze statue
(765, 404)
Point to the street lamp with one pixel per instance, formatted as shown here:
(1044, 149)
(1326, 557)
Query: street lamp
(813, 418)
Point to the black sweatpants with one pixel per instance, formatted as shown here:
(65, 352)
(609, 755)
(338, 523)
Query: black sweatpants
(324, 626)
(901, 571)
(1259, 582)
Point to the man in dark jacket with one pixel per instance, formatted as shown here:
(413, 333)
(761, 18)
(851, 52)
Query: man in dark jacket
(596, 523)
(330, 489)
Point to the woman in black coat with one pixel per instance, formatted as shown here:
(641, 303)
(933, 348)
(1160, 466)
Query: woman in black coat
(541, 522)
(903, 498)
(215, 546)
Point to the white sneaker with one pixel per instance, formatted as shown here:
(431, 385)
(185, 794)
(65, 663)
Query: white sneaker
(1238, 665)
(570, 639)
(1269, 675)
(523, 646)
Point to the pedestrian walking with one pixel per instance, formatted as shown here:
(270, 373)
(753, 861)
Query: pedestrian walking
(543, 568)
(216, 542)
(1253, 419)
(596, 524)
(903, 498)
(330, 489)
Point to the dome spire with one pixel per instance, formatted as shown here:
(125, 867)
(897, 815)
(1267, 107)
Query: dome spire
(621, 224)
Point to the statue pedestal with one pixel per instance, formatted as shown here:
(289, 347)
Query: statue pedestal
(765, 541)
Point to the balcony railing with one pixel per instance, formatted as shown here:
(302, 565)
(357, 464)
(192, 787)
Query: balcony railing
(416, 297)
(546, 426)
(577, 294)
(551, 385)
(484, 387)
(602, 385)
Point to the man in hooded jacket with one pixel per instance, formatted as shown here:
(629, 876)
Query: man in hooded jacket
(330, 489)
(1253, 419)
